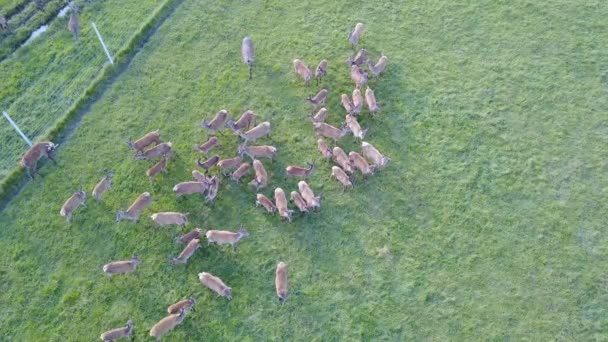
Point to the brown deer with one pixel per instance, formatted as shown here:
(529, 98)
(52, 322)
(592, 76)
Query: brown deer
(209, 163)
(240, 172)
(321, 115)
(260, 180)
(247, 54)
(370, 98)
(264, 201)
(311, 200)
(157, 151)
(257, 152)
(357, 101)
(169, 218)
(140, 144)
(318, 99)
(372, 154)
(37, 151)
(188, 251)
(354, 127)
(188, 188)
(71, 204)
(299, 201)
(191, 235)
(73, 23)
(358, 76)
(360, 163)
(135, 209)
(256, 132)
(215, 284)
(223, 237)
(281, 204)
(300, 172)
(324, 149)
(167, 324)
(342, 177)
(217, 122)
(354, 36)
(280, 281)
(321, 70)
(347, 104)
(303, 71)
(157, 168)
(207, 145)
(186, 305)
(329, 131)
(379, 67)
(229, 164)
(115, 334)
(104, 185)
(121, 267)
(359, 59)
(341, 159)
(247, 119)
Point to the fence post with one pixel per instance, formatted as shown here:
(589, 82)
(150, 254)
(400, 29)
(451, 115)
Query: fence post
(103, 45)
(17, 128)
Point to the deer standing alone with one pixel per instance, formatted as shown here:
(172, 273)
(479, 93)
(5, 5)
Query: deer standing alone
(280, 281)
(247, 54)
(356, 34)
(215, 284)
(121, 267)
(30, 158)
(115, 334)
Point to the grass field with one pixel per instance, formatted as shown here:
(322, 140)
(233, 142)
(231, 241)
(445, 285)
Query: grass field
(489, 223)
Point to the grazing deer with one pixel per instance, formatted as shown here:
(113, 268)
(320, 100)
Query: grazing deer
(256, 132)
(140, 144)
(357, 101)
(104, 185)
(311, 200)
(371, 153)
(214, 187)
(186, 253)
(157, 151)
(223, 237)
(347, 104)
(186, 305)
(301, 172)
(354, 127)
(215, 284)
(360, 163)
(257, 152)
(169, 217)
(247, 119)
(135, 209)
(167, 324)
(115, 334)
(217, 122)
(329, 131)
(358, 76)
(359, 59)
(281, 204)
(264, 201)
(321, 70)
(321, 115)
(341, 159)
(260, 180)
(299, 201)
(121, 267)
(354, 36)
(324, 149)
(370, 98)
(318, 99)
(157, 168)
(240, 172)
(188, 188)
(209, 163)
(377, 69)
(38, 150)
(303, 71)
(77, 199)
(191, 235)
(280, 281)
(346, 180)
(73, 23)
(247, 53)
(207, 145)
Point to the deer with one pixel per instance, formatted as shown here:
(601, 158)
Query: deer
(360, 163)
(191, 235)
(281, 204)
(379, 67)
(157, 151)
(157, 168)
(217, 122)
(357, 101)
(209, 163)
(188, 188)
(169, 217)
(356, 34)
(321, 70)
(229, 164)
(347, 104)
(167, 324)
(214, 187)
(247, 119)
(358, 76)
(324, 149)
(73, 23)
(303, 71)
(321, 115)
(186, 305)
(359, 59)
(38, 150)
(240, 172)
(188, 251)
(342, 159)
(115, 334)
(223, 237)
(257, 152)
(280, 281)
(256, 132)
(260, 180)
(265, 202)
(311, 200)
(301, 172)
(373, 155)
(370, 98)
(247, 54)
(148, 139)
(71, 204)
(329, 131)
(346, 180)
(299, 201)
(134, 211)
(121, 267)
(318, 99)
(207, 145)
(215, 284)
(354, 127)
(104, 185)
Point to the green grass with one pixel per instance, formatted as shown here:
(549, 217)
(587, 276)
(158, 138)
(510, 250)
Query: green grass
(492, 211)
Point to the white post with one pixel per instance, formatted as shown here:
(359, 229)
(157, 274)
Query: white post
(103, 45)
(17, 128)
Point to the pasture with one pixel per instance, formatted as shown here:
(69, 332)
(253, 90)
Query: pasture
(488, 224)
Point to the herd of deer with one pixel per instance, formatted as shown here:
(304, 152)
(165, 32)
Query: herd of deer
(245, 127)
